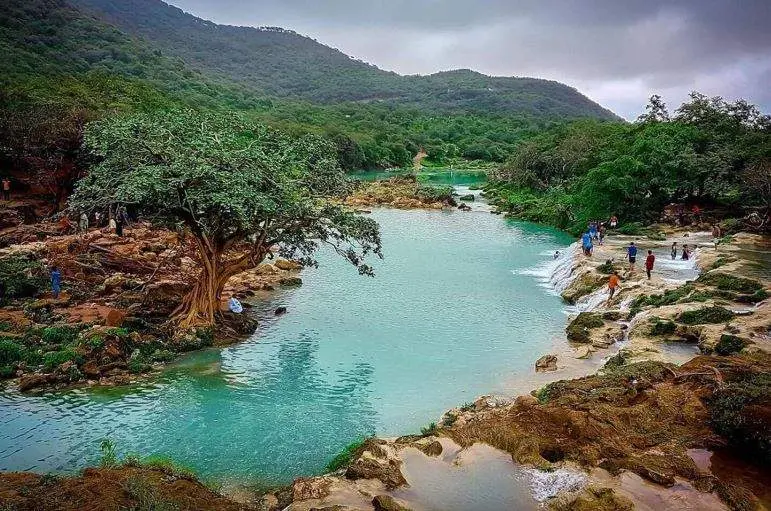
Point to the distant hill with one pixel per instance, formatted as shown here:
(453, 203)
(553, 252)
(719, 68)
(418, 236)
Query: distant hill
(282, 63)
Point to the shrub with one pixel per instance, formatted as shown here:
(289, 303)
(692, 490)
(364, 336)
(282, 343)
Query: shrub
(434, 193)
(663, 327)
(54, 359)
(606, 268)
(631, 229)
(345, 456)
(138, 365)
(429, 430)
(736, 411)
(21, 277)
(10, 352)
(729, 344)
(109, 458)
(727, 282)
(705, 315)
(59, 335)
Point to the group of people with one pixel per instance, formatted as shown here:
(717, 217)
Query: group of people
(685, 254)
(117, 220)
(596, 231)
(631, 255)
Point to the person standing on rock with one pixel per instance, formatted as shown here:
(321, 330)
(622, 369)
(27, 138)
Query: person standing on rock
(6, 189)
(631, 254)
(649, 263)
(586, 242)
(56, 282)
(716, 235)
(613, 283)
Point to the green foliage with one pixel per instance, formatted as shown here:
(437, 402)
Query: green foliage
(10, 352)
(59, 335)
(145, 495)
(54, 359)
(109, 458)
(606, 268)
(434, 193)
(706, 315)
(163, 356)
(659, 327)
(570, 174)
(429, 430)
(21, 277)
(728, 282)
(731, 410)
(344, 457)
(730, 344)
(578, 329)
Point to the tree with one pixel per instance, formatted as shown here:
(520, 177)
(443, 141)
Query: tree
(238, 188)
(655, 111)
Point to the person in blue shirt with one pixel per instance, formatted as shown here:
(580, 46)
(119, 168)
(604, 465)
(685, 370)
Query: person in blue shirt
(631, 254)
(56, 282)
(586, 242)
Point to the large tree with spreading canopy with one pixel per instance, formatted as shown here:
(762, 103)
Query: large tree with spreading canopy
(239, 188)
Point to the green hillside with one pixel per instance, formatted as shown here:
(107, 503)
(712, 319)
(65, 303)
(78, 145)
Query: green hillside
(283, 63)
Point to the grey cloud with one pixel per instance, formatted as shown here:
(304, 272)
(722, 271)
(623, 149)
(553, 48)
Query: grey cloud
(609, 49)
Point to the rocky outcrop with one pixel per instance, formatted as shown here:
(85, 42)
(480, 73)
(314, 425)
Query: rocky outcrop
(546, 363)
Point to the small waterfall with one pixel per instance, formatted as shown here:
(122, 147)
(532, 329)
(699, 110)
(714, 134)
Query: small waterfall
(547, 485)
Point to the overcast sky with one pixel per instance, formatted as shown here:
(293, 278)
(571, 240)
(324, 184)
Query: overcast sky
(617, 52)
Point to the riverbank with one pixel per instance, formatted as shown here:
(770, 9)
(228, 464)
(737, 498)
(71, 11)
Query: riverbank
(655, 427)
(109, 325)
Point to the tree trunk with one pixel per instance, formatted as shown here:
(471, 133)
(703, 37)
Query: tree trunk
(201, 305)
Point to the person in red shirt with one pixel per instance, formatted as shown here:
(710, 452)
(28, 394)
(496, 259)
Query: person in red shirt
(649, 263)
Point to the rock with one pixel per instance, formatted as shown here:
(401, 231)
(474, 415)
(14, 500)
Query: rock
(47, 302)
(546, 363)
(387, 503)
(266, 269)
(469, 197)
(280, 310)
(285, 264)
(306, 488)
(267, 502)
(32, 381)
(583, 285)
(115, 318)
(578, 329)
(367, 468)
(163, 296)
(432, 448)
(584, 352)
(290, 281)
(90, 369)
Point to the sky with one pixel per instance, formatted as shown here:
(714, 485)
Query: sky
(617, 52)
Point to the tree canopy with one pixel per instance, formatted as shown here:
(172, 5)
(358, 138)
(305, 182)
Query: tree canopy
(238, 187)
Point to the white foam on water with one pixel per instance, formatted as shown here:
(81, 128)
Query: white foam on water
(553, 274)
(547, 485)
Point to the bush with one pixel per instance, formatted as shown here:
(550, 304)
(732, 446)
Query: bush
(344, 457)
(606, 268)
(706, 315)
(737, 413)
(54, 359)
(726, 282)
(10, 352)
(631, 229)
(663, 327)
(434, 193)
(429, 430)
(59, 335)
(730, 344)
(21, 277)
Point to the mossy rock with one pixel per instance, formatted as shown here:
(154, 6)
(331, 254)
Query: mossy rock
(582, 286)
(578, 329)
(729, 344)
(706, 315)
(659, 327)
(726, 282)
(612, 315)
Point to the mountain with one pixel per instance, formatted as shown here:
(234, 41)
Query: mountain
(282, 63)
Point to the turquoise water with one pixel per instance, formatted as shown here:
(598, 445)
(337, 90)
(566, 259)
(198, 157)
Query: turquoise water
(447, 318)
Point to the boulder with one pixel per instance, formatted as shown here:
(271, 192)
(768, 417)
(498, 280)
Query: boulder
(578, 329)
(287, 265)
(387, 503)
(290, 281)
(546, 363)
(432, 448)
(115, 318)
(367, 468)
(266, 269)
(32, 381)
(469, 197)
(306, 488)
(280, 310)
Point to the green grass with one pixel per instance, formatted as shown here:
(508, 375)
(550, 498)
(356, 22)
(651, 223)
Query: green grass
(344, 457)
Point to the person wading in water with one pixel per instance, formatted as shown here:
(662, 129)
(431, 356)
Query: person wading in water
(649, 263)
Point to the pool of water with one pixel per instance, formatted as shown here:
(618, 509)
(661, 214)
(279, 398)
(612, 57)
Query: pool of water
(449, 316)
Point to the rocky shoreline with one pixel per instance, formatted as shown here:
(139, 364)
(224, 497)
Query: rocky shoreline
(109, 326)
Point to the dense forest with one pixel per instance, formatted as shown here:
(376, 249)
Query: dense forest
(710, 153)
(67, 63)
